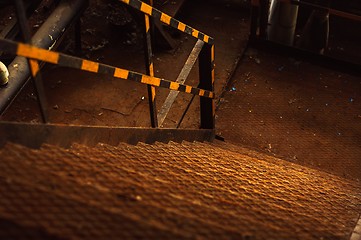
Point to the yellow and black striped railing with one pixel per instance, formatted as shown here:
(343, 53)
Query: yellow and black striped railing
(61, 59)
(206, 59)
(206, 63)
(168, 20)
(152, 93)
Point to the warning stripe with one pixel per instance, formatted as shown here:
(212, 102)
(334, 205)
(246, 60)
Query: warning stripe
(150, 71)
(34, 67)
(213, 79)
(168, 20)
(36, 53)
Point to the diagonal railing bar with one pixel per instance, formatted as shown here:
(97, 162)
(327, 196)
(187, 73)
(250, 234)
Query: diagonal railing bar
(201, 51)
(180, 79)
(206, 62)
(168, 20)
(64, 60)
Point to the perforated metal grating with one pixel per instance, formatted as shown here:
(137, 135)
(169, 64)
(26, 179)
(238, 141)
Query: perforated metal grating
(188, 190)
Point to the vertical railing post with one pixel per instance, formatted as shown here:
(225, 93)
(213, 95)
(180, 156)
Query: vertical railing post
(206, 76)
(33, 64)
(149, 68)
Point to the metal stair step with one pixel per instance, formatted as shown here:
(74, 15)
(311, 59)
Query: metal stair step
(181, 190)
(197, 223)
(33, 196)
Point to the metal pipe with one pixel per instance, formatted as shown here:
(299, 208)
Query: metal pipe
(47, 36)
(282, 22)
(34, 65)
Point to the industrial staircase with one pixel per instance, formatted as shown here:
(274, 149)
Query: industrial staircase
(54, 188)
(168, 191)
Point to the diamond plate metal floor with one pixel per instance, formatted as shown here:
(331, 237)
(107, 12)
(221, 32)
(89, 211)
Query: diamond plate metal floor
(188, 190)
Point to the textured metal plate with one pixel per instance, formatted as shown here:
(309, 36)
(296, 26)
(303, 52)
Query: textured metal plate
(33, 135)
(188, 190)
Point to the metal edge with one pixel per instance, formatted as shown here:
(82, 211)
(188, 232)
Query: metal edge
(34, 135)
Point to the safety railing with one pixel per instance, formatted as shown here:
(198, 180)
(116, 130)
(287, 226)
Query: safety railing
(64, 15)
(261, 11)
(203, 51)
(309, 29)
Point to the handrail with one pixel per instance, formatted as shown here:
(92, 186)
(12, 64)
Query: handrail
(331, 11)
(148, 52)
(206, 62)
(32, 52)
(260, 7)
(168, 20)
(205, 55)
(65, 14)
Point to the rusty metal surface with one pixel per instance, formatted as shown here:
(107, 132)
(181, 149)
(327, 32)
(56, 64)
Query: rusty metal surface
(34, 135)
(188, 190)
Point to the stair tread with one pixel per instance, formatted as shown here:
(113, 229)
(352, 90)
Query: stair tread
(111, 199)
(186, 189)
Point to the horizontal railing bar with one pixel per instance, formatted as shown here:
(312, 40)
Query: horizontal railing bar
(168, 20)
(331, 11)
(64, 60)
(183, 75)
(57, 24)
